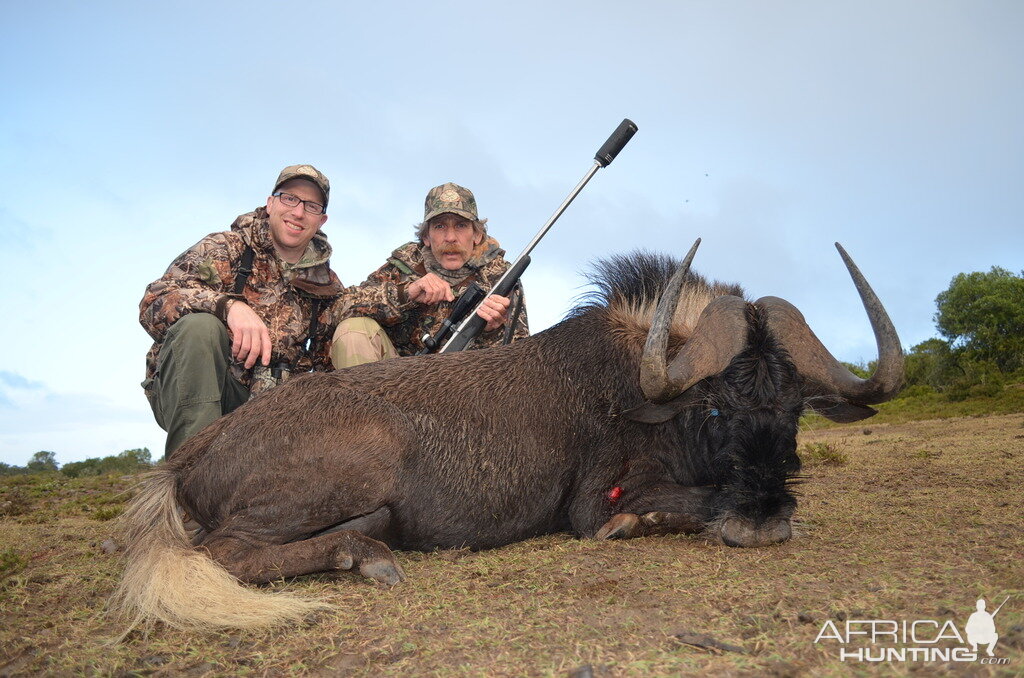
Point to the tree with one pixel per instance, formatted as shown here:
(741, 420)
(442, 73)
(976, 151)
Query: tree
(931, 363)
(138, 457)
(42, 461)
(982, 317)
(9, 470)
(128, 461)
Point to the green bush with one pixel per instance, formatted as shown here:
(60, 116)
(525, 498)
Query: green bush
(917, 391)
(822, 454)
(8, 470)
(989, 390)
(980, 378)
(128, 462)
(931, 363)
(107, 512)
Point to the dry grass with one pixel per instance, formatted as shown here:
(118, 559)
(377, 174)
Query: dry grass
(891, 533)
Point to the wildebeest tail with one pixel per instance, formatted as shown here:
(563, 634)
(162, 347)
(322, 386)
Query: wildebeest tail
(168, 580)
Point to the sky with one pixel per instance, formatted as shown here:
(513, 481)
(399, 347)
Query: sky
(130, 130)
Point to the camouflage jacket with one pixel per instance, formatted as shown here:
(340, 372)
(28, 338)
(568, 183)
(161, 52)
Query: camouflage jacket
(202, 280)
(380, 297)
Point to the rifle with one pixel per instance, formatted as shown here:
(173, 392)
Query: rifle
(472, 324)
(473, 295)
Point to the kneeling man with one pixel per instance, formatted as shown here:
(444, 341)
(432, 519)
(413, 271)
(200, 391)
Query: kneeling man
(240, 309)
(414, 292)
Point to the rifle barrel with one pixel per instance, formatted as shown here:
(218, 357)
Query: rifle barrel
(622, 134)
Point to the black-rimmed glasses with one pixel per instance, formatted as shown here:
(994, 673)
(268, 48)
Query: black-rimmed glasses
(290, 200)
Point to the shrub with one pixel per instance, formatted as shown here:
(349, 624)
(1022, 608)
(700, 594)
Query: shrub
(127, 462)
(107, 512)
(8, 470)
(827, 454)
(917, 391)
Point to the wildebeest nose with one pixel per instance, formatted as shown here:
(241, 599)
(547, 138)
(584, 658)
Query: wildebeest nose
(741, 533)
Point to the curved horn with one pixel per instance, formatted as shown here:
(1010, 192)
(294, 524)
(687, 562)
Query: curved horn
(718, 337)
(813, 360)
(654, 380)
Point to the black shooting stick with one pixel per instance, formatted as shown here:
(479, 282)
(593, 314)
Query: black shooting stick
(469, 328)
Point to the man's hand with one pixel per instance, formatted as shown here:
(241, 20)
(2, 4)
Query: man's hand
(429, 290)
(250, 338)
(495, 311)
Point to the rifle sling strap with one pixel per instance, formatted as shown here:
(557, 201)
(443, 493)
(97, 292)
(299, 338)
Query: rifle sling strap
(244, 271)
(242, 277)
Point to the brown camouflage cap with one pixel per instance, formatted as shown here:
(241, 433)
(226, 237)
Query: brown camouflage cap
(450, 198)
(307, 172)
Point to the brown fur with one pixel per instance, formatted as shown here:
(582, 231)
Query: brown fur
(629, 320)
(477, 449)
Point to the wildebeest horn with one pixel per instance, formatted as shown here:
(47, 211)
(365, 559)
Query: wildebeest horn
(813, 361)
(653, 366)
(720, 333)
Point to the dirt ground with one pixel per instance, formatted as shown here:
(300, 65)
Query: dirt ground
(898, 522)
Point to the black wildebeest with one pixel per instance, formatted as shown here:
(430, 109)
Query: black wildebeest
(664, 404)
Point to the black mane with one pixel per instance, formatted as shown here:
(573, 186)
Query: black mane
(635, 278)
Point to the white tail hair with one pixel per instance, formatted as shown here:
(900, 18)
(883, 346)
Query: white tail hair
(167, 580)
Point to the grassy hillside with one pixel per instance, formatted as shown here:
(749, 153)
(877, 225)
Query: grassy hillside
(920, 403)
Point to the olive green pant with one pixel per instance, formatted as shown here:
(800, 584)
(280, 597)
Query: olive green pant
(360, 340)
(193, 385)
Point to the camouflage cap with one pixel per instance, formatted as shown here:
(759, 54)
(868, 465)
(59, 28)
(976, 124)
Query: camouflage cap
(450, 198)
(307, 172)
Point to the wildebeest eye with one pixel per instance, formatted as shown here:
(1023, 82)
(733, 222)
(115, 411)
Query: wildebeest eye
(714, 412)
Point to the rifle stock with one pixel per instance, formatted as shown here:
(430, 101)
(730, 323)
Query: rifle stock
(465, 305)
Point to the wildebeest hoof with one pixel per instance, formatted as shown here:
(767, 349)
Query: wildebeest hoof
(620, 526)
(385, 571)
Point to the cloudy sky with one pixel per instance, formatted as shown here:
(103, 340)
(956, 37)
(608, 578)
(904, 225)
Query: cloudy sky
(130, 130)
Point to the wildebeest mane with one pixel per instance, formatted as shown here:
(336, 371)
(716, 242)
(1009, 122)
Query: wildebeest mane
(627, 288)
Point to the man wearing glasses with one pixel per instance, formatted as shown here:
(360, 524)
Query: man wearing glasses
(242, 309)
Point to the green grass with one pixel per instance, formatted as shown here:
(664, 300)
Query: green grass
(827, 453)
(11, 563)
(42, 498)
(923, 404)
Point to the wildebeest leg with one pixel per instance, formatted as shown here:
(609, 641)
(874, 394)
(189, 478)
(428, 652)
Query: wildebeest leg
(259, 562)
(375, 524)
(665, 508)
(627, 525)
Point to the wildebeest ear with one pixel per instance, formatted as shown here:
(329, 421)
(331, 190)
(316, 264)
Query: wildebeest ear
(844, 413)
(659, 413)
(652, 413)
